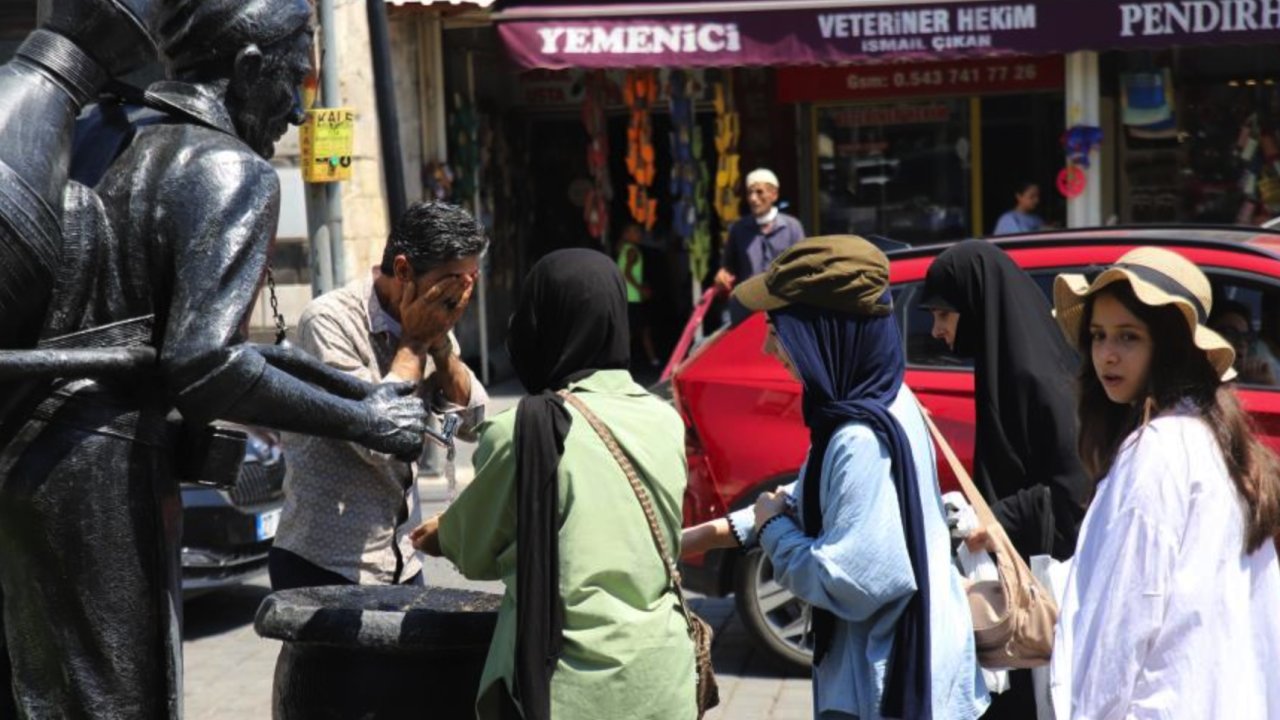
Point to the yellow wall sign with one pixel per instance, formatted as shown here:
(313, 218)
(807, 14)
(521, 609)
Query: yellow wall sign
(327, 140)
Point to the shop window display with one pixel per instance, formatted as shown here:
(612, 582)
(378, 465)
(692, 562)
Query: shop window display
(1201, 136)
(894, 169)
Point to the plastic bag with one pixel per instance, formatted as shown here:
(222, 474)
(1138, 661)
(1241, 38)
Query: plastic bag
(975, 566)
(1053, 574)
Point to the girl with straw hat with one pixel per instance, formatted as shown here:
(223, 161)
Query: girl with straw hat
(1172, 608)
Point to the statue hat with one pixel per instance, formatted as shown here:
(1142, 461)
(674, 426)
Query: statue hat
(196, 32)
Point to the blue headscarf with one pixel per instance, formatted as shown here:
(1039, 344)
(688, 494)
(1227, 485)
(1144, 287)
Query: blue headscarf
(852, 369)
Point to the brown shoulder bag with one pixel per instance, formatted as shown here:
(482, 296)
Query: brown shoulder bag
(1013, 618)
(699, 630)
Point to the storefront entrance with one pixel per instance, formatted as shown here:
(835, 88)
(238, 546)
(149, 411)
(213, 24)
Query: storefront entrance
(929, 152)
(1200, 134)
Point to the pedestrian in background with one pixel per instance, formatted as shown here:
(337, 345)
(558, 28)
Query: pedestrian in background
(1024, 458)
(1022, 218)
(639, 294)
(1254, 362)
(866, 544)
(589, 626)
(755, 241)
(348, 510)
(1172, 607)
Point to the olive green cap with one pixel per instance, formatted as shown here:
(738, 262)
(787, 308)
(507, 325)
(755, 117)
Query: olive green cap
(844, 273)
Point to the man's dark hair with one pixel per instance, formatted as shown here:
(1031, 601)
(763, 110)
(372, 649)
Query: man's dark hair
(430, 234)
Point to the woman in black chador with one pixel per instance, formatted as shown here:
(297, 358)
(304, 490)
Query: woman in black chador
(1025, 458)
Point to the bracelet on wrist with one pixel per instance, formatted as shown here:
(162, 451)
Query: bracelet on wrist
(767, 523)
(735, 531)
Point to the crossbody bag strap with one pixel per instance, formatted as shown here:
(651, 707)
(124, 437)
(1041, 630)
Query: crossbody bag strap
(979, 503)
(628, 469)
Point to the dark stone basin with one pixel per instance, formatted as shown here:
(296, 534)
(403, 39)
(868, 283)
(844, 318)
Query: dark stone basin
(378, 652)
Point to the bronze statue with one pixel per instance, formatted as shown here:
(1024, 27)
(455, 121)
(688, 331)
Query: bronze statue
(57, 71)
(134, 285)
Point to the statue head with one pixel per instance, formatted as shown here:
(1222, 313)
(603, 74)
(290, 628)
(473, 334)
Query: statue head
(262, 49)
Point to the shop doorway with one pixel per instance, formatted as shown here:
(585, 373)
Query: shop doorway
(559, 177)
(1021, 142)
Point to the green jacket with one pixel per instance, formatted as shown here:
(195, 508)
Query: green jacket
(627, 653)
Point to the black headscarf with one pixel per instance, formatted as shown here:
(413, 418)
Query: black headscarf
(852, 368)
(1025, 458)
(571, 322)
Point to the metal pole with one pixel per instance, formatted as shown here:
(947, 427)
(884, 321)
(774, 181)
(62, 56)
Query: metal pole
(1084, 108)
(324, 200)
(331, 96)
(318, 231)
(482, 285)
(388, 119)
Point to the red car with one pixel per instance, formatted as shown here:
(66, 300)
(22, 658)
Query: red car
(745, 432)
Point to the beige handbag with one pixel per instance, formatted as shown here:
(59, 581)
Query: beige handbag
(1013, 618)
(699, 630)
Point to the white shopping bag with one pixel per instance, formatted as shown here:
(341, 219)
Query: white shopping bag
(1053, 574)
(975, 566)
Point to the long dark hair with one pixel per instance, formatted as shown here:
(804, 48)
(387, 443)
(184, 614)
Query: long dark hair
(1182, 374)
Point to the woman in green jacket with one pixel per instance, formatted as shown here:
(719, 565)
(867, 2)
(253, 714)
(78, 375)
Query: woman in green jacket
(589, 626)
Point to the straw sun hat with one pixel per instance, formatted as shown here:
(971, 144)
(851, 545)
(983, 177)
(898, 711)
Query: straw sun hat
(1158, 277)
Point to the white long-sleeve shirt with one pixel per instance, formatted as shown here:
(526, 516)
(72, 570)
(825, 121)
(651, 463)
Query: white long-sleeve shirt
(1164, 616)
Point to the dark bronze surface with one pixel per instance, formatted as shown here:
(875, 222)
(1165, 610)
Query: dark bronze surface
(124, 294)
(57, 70)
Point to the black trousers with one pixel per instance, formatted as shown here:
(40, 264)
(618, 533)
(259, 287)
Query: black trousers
(90, 521)
(290, 570)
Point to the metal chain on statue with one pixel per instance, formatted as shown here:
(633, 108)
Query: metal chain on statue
(282, 328)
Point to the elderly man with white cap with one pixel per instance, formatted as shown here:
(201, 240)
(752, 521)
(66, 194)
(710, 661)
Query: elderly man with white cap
(756, 240)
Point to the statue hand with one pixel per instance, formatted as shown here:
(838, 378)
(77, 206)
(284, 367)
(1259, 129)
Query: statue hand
(396, 421)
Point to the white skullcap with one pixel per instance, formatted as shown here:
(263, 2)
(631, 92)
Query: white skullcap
(762, 175)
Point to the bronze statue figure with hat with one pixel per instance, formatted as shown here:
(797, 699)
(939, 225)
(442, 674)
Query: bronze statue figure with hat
(128, 269)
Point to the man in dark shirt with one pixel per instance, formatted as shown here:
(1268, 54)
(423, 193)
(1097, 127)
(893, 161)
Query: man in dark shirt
(167, 250)
(756, 240)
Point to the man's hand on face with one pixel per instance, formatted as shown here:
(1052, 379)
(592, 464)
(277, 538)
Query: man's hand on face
(427, 318)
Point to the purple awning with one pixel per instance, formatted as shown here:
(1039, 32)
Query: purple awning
(834, 32)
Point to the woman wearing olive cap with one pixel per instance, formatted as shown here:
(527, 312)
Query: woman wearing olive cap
(866, 545)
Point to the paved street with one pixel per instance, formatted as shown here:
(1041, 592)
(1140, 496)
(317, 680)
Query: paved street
(229, 669)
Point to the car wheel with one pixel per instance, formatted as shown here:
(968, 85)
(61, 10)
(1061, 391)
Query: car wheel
(777, 620)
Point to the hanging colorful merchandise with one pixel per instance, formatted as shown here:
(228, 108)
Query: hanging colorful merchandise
(640, 94)
(595, 207)
(728, 202)
(689, 177)
(1080, 141)
(1147, 105)
(464, 149)
(1258, 150)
